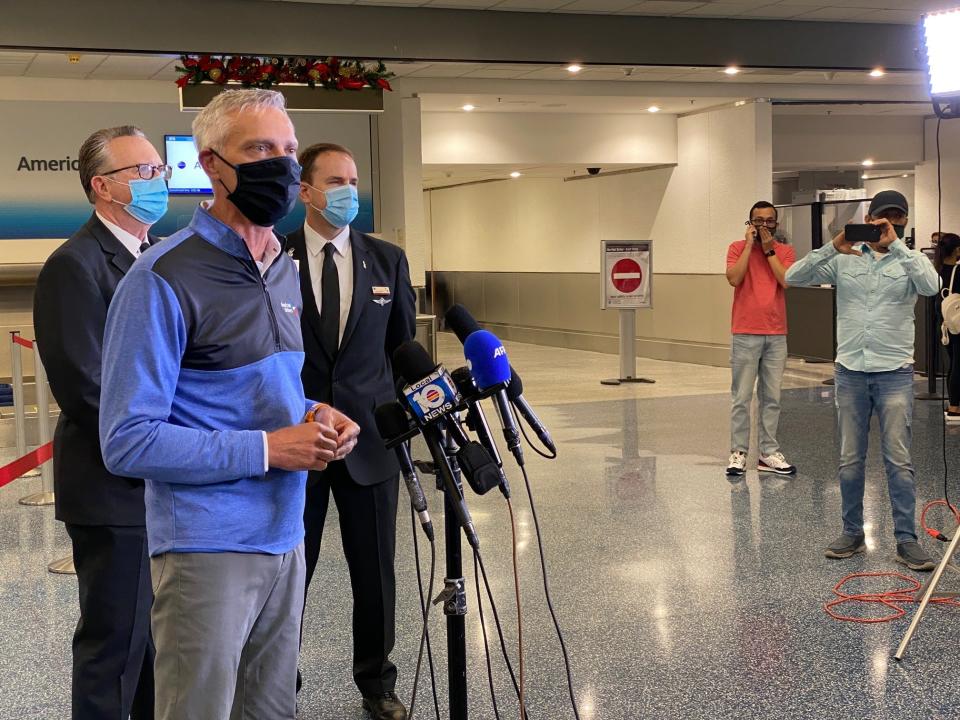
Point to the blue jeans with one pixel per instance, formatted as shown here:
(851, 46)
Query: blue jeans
(890, 395)
(756, 361)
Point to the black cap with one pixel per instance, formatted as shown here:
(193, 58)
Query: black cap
(887, 199)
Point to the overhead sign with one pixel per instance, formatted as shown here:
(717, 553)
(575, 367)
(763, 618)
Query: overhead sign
(627, 273)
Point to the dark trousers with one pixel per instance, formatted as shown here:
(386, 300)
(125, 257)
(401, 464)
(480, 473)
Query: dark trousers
(953, 373)
(112, 648)
(368, 530)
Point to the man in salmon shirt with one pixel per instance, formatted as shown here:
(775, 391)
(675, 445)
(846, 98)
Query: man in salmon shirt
(757, 267)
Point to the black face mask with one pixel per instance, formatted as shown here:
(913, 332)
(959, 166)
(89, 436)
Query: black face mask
(900, 230)
(266, 189)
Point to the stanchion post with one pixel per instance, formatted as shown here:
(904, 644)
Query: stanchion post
(19, 404)
(45, 496)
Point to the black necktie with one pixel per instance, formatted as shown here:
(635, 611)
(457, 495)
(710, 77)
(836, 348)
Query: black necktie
(330, 302)
(143, 246)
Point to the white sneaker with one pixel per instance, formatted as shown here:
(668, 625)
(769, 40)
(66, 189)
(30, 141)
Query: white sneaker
(737, 465)
(951, 419)
(776, 463)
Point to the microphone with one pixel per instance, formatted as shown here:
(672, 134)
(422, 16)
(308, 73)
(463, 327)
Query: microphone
(487, 359)
(393, 425)
(430, 393)
(463, 324)
(477, 421)
(515, 395)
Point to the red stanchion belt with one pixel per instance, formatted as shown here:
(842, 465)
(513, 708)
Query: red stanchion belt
(23, 341)
(28, 462)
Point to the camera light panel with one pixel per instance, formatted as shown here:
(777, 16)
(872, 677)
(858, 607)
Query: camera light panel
(940, 33)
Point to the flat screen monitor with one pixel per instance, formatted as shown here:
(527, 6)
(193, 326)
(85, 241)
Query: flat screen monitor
(188, 177)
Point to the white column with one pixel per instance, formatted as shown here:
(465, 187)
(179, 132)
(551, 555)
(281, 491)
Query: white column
(924, 217)
(401, 219)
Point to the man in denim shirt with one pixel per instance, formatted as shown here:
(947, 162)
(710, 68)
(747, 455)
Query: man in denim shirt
(877, 287)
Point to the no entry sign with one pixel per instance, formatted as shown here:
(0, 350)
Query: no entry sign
(626, 274)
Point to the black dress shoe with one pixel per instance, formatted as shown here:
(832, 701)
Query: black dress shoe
(385, 707)
(299, 681)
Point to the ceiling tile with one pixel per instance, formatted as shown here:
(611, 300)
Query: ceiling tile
(530, 5)
(778, 11)
(828, 13)
(475, 4)
(57, 65)
(446, 70)
(130, 67)
(598, 6)
(662, 7)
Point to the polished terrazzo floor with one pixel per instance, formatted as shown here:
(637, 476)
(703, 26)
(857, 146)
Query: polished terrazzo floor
(682, 595)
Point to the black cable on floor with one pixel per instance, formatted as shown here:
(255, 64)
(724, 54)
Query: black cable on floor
(496, 619)
(516, 587)
(425, 613)
(546, 591)
(486, 645)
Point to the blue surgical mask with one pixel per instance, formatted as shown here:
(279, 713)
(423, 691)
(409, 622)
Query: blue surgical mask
(148, 200)
(343, 204)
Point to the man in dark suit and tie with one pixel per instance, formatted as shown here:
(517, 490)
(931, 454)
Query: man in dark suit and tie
(358, 306)
(125, 180)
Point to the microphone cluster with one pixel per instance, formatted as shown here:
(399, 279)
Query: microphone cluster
(430, 401)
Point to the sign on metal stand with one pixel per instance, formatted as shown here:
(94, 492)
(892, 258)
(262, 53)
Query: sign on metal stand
(627, 275)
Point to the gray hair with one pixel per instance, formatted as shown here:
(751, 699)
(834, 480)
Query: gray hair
(95, 156)
(212, 125)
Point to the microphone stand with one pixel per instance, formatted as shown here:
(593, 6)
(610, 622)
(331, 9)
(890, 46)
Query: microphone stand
(454, 594)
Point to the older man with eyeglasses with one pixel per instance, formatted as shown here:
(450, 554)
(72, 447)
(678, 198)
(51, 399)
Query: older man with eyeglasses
(757, 267)
(125, 181)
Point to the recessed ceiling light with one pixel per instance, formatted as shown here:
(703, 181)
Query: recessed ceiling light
(867, 163)
(515, 174)
(864, 177)
(469, 108)
(905, 175)
(653, 109)
(877, 72)
(732, 70)
(574, 68)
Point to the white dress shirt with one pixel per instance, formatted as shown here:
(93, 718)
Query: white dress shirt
(129, 241)
(342, 258)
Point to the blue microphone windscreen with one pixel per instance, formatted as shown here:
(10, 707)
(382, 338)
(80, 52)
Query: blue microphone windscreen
(487, 359)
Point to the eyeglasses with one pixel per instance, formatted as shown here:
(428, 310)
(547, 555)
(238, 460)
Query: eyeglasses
(147, 171)
(757, 222)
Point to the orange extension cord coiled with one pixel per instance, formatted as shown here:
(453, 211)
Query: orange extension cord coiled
(892, 599)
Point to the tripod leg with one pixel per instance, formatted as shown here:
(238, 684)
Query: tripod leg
(931, 588)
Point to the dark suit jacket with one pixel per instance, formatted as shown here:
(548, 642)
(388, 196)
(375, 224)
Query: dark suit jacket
(361, 377)
(73, 292)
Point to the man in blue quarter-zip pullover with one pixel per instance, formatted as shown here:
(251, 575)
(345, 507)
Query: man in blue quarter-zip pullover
(201, 396)
(877, 287)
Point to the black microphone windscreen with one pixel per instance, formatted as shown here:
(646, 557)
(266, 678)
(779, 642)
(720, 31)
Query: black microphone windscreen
(515, 388)
(463, 379)
(412, 361)
(461, 322)
(392, 421)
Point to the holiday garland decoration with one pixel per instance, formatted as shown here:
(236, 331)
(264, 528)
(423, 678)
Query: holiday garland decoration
(331, 73)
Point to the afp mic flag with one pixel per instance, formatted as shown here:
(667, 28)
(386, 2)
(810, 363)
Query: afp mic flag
(462, 323)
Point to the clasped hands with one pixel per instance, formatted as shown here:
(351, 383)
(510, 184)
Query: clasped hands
(325, 436)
